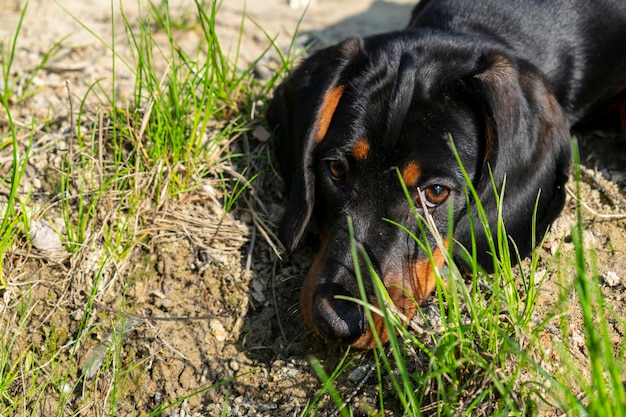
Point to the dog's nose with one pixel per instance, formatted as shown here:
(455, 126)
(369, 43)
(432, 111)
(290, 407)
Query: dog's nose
(339, 320)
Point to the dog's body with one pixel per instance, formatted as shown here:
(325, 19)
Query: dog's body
(505, 80)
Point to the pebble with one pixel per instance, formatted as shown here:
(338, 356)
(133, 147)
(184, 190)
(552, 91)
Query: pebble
(611, 279)
(246, 218)
(589, 240)
(359, 373)
(66, 388)
(44, 237)
(217, 330)
(291, 372)
(261, 134)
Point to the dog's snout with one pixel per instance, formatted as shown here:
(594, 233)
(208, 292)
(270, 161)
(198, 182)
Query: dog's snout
(338, 319)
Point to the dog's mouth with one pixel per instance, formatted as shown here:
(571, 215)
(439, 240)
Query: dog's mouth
(328, 299)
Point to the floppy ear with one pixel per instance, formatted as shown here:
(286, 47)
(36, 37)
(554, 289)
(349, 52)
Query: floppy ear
(299, 115)
(527, 147)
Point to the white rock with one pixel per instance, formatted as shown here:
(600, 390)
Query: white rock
(611, 279)
(217, 330)
(44, 237)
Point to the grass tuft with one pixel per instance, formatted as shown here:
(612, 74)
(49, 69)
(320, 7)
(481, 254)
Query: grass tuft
(129, 170)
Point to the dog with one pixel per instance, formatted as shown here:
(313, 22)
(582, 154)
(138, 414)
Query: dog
(505, 81)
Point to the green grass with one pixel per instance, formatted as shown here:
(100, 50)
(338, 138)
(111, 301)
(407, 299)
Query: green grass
(126, 162)
(13, 212)
(180, 128)
(602, 393)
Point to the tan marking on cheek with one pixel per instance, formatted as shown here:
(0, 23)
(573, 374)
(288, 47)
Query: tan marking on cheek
(309, 285)
(421, 283)
(418, 285)
(326, 111)
(361, 149)
(411, 173)
(423, 279)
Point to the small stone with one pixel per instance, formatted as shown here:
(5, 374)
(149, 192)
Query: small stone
(66, 388)
(246, 217)
(611, 279)
(257, 285)
(359, 373)
(259, 297)
(262, 71)
(45, 238)
(261, 134)
(589, 240)
(291, 372)
(217, 330)
(257, 291)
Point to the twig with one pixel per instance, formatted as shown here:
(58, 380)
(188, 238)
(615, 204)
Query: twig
(356, 390)
(592, 211)
(616, 199)
(71, 67)
(280, 325)
(250, 252)
(269, 236)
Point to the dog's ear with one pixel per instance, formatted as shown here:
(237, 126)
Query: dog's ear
(299, 115)
(526, 147)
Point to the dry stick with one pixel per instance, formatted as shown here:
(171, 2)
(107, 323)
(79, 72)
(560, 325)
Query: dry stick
(250, 252)
(616, 199)
(100, 163)
(269, 236)
(280, 325)
(58, 67)
(157, 334)
(432, 406)
(69, 99)
(356, 390)
(592, 211)
(73, 140)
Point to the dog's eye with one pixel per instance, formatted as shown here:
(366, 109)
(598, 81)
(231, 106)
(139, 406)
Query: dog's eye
(338, 170)
(434, 195)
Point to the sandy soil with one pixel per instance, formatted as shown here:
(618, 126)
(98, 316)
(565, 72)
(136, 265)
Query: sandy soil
(201, 315)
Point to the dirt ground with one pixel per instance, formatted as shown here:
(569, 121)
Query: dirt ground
(203, 315)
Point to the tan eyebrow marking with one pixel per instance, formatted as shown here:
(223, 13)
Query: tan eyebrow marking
(361, 149)
(411, 173)
(326, 111)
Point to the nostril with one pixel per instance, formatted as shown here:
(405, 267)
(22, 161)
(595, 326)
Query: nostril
(339, 320)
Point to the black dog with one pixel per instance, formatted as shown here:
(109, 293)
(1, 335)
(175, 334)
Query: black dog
(506, 80)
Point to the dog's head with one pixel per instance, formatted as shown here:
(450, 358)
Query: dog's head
(353, 116)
